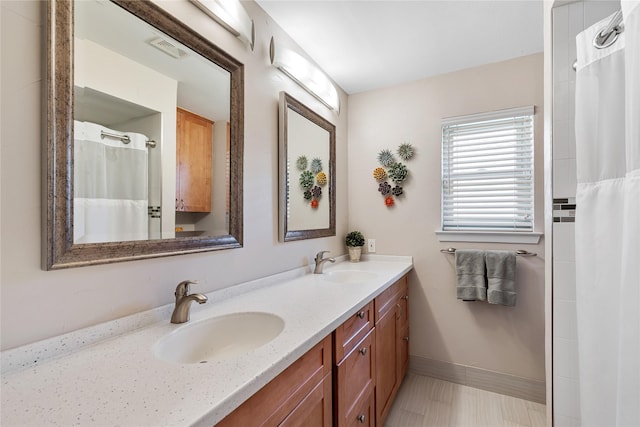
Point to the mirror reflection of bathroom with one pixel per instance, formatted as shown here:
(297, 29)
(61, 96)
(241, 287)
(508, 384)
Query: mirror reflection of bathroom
(151, 132)
(312, 146)
(307, 147)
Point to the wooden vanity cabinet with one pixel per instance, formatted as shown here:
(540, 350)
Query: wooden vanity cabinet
(354, 384)
(299, 396)
(194, 145)
(392, 345)
(350, 379)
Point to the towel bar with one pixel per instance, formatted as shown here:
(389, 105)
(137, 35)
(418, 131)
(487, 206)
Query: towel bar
(520, 252)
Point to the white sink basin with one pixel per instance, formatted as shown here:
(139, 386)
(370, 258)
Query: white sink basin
(350, 276)
(218, 338)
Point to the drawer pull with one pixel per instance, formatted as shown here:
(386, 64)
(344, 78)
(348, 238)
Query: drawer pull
(363, 351)
(406, 339)
(361, 314)
(362, 419)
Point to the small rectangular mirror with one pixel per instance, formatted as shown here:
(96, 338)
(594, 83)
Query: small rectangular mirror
(307, 172)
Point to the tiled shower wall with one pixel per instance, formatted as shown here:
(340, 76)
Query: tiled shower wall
(568, 21)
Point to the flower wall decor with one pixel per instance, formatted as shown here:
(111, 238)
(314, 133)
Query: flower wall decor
(321, 178)
(301, 163)
(406, 151)
(311, 180)
(394, 171)
(379, 174)
(385, 158)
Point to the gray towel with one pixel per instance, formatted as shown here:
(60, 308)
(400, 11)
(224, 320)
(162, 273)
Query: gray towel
(501, 277)
(470, 273)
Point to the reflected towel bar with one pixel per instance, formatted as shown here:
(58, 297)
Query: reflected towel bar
(520, 252)
(125, 138)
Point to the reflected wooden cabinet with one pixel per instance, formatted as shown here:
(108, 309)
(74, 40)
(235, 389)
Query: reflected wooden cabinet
(194, 145)
(392, 345)
(301, 396)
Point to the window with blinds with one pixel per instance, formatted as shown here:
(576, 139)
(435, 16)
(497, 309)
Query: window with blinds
(487, 171)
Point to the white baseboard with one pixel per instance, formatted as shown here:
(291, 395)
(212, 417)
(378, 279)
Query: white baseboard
(497, 382)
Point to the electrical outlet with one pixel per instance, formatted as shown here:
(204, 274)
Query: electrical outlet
(371, 245)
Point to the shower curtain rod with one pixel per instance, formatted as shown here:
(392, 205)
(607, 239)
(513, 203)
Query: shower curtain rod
(519, 252)
(607, 36)
(125, 138)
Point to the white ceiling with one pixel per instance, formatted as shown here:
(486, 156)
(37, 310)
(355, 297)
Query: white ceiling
(366, 44)
(203, 87)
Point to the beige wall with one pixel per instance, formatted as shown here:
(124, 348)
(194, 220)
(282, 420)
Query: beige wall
(37, 304)
(504, 339)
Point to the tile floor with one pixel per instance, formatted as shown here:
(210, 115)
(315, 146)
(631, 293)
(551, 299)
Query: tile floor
(428, 402)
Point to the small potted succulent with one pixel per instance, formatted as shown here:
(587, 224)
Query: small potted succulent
(354, 242)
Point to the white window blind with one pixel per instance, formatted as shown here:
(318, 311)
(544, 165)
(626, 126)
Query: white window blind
(487, 171)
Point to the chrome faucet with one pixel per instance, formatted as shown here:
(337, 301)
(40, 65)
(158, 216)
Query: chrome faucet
(320, 261)
(183, 301)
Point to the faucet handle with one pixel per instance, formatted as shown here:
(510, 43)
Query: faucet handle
(183, 287)
(320, 254)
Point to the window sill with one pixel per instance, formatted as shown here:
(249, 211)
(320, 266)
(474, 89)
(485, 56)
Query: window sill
(527, 238)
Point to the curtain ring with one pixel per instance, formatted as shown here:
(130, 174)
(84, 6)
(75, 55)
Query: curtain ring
(603, 41)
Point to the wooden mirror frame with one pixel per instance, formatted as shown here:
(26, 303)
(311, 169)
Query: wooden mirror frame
(287, 102)
(58, 249)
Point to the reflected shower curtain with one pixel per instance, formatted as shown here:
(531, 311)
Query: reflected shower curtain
(110, 186)
(608, 224)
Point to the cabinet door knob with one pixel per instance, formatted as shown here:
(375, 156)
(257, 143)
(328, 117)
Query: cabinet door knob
(362, 419)
(363, 351)
(406, 338)
(361, 314)
(406, 297)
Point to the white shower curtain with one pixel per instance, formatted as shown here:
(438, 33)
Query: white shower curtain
(110, 186)
(608, 224)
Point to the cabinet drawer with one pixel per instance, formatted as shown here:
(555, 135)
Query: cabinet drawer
(355, 377)
(352, 331)
(387, 299)
(363, 413)
(271, 404)
(314, 410)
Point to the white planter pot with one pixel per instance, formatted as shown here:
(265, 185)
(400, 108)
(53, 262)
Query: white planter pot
(354, 253)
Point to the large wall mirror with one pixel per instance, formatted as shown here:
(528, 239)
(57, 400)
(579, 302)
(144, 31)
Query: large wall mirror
(307, 155)
(144, 136)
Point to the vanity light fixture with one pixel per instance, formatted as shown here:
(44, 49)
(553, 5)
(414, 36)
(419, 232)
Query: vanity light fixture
(305, 74)
(232, 16)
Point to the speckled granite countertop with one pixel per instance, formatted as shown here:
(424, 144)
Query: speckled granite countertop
(118, 381)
